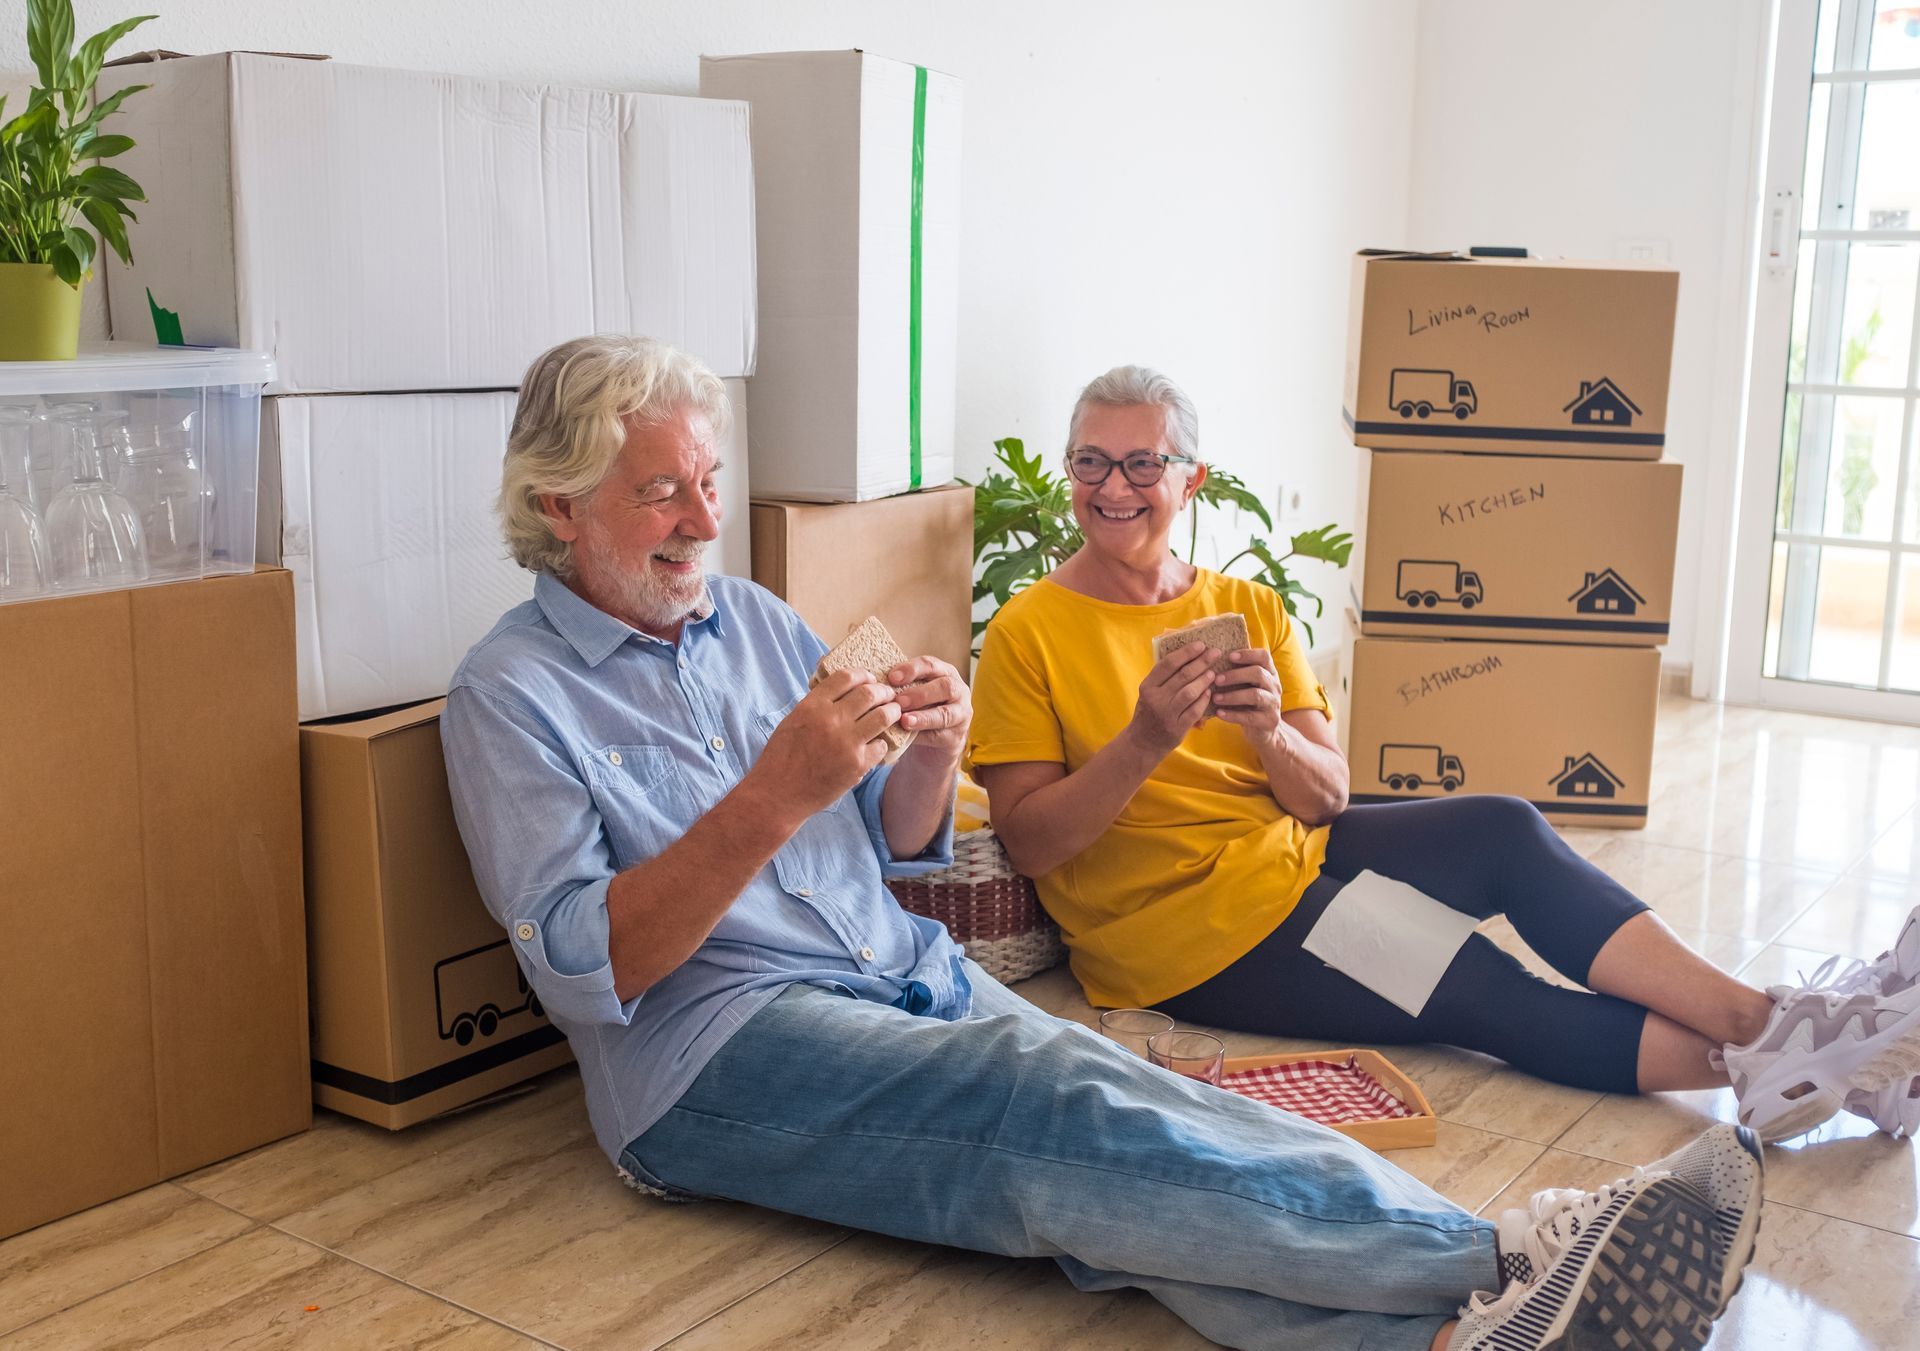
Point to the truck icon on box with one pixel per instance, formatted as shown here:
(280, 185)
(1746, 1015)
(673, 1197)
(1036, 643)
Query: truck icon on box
(1428, 581)
(1410, 768)
(475, 990)
(1417, 393)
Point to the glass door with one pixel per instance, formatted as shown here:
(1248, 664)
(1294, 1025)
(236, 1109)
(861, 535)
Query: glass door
(1827, 586)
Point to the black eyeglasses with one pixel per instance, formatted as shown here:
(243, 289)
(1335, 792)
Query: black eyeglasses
(1142, 468)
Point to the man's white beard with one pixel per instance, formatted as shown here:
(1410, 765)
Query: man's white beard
(652, 599)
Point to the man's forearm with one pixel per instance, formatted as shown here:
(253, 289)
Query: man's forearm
(916, 799)
(659, 912)
(1053, 824)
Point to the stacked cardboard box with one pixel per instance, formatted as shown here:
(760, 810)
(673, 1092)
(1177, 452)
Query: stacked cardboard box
(405, 244)
(1514, 565)
(856, 163)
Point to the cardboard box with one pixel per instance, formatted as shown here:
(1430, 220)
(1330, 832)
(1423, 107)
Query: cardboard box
(857, 183)
(382, 505)
(384, 230)
(153, 978)
(1522, 547)
(1569, 728)
(418, 1003)
(1510, 355)
(907, 559)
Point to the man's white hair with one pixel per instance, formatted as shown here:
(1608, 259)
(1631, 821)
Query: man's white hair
(1133, 386)
(576, 404)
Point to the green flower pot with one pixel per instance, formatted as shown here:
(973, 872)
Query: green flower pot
(39, 314)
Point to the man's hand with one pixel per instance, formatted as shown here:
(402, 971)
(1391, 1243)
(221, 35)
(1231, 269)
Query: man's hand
(935, 703)
(829, 742)
(1248, 695)
(1172, 699)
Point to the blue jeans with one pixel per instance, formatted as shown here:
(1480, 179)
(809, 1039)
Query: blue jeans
(1016, 1132)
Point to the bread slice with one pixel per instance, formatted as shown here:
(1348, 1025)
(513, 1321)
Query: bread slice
(1222, 633)
(868, 647)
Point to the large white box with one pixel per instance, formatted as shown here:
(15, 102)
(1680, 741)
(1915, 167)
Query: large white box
(383, 230)
(857, 187)
(382, 508)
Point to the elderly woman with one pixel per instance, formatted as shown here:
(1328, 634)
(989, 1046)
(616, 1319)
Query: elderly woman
(1189, 831)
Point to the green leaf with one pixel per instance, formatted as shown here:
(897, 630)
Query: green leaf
(86, 61)
(35, 120)
(101, 180)
(1222, 488)
(65, 265)
(82, 245)
(106, 107)
(49, 41)
(1329, 544)
(106, 220)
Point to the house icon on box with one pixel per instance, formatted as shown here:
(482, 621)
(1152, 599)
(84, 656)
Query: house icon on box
(1585, 776)
(1606, 593)
(1603, 402)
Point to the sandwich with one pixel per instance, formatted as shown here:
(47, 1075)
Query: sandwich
(869, 647)
(1220, 633)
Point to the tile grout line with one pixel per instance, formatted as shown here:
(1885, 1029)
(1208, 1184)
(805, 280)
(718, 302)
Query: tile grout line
(699, 1323)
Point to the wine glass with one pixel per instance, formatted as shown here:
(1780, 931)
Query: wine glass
(94, 536)
(168, 493)
(18, 423)
(23, 543)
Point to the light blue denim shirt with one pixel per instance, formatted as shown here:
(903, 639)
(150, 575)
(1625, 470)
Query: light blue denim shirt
(577, 747)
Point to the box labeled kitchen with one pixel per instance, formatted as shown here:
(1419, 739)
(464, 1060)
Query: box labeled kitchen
(1538, 548)
(856, 162)
(1567, 727)
(384, 230)
(1515, 356)
(419, 1005)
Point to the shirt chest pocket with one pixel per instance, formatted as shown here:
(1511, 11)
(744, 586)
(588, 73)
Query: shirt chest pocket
(642, 799)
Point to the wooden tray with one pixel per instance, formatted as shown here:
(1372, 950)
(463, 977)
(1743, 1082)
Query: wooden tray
(1407, 1132)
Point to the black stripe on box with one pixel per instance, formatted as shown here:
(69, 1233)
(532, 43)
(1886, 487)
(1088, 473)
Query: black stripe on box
(393, 1092)
(1557, 806)
(1460, 431)
(1513, 622)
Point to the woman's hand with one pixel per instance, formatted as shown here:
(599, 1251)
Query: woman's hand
(1173, 699)
(1248, 695)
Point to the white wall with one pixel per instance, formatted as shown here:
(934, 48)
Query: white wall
(1177, 186)
(1573, 128)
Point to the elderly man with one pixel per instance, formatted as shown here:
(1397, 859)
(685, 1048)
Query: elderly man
(686, 846)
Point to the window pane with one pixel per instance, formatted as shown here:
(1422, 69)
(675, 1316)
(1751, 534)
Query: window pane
(1826, 625)
(1789, 460)
(1896, 34)
(1886, 194)
(1904, 674)
(1863, 465)
(1803, 309)
(1877, 326)
(1823, 38)
(1817, 109)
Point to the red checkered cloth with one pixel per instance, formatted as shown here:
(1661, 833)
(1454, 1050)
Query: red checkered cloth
(1328, 1091)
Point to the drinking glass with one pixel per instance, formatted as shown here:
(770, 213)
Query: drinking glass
(23, 544)
(94, 537)
(166, 491)
(1132, 1028)
(18, 422)
(1194, 1054)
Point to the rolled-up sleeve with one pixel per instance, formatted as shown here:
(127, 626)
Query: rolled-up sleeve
(938, 854)
(538, 849)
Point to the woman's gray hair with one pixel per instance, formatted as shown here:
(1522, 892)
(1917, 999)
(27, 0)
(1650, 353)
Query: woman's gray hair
(1131, 386)
(576, 404)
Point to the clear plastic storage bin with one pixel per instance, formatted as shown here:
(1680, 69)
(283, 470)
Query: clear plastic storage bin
(126, 466)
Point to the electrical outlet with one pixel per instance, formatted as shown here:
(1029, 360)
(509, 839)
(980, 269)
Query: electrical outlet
(1288, 505)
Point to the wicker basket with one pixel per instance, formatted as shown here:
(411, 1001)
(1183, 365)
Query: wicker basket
(988, 907)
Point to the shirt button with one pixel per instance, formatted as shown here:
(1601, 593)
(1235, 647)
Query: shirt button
(866, 954)
(683, 663)
(718, 743)
(526, 933)
(804, 891)
(613, 757)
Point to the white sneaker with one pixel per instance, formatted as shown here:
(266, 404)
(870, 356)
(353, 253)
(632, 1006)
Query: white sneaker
(1724, 1165)
(1895, 1109)
(1642, 1270)
(1820, 1046)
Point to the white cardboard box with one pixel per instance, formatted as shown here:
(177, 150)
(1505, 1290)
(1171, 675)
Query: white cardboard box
(844, 146)
(388, 230)
(382, 507)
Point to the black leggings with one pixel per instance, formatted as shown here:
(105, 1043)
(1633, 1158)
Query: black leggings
(1484, 856)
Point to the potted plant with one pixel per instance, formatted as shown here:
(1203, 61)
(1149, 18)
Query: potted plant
(1023, 528)
(51, 179)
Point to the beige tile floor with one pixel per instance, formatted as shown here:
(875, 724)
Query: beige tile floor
(1775, 840)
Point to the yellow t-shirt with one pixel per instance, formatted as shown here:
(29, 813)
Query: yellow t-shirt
(1202, 864)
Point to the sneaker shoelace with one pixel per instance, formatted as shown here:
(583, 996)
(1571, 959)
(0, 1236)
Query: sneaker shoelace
(1558, 1217)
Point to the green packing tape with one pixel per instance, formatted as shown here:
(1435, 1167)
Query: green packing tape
(913, 302)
